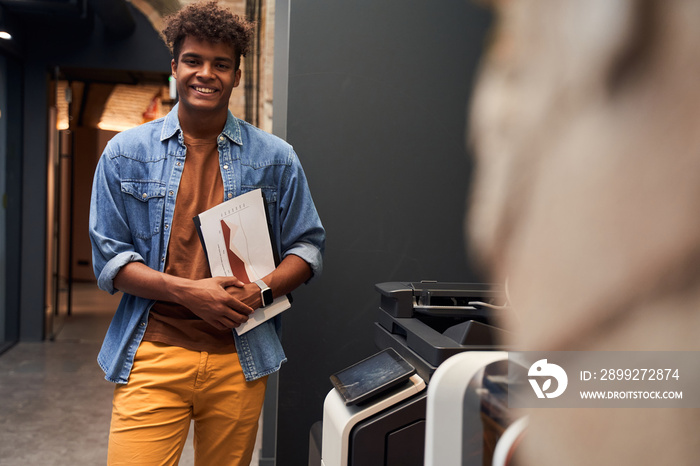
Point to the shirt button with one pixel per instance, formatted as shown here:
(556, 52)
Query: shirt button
(225, 167)
(178, 164)
(166, 226)
(221, 138)
(230, 195)
(143, 324)
(172, 192)
(145, 195)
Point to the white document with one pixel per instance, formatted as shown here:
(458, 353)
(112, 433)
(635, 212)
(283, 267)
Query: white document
(237, 242)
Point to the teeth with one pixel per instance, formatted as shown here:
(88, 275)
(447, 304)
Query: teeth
(204, 90)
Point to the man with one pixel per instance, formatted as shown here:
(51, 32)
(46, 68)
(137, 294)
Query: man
(170, 347)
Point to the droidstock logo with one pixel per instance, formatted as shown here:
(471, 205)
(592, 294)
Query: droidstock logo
(541, 369)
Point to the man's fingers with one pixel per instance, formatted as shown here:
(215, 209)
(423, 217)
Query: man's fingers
(236, 316)
(231, 281)
(231, 320)
(239, 307)
(228, 321)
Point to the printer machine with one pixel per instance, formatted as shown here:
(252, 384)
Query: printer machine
(426, 323)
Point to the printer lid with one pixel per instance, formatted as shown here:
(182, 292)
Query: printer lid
(402, 299)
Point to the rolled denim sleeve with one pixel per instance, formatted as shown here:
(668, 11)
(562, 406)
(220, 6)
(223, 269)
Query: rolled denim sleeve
(302, 232)
(310, 254)
(111, 238)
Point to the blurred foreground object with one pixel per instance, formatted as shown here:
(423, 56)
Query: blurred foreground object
(586, 125)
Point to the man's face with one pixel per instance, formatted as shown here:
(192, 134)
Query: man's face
(205, 75)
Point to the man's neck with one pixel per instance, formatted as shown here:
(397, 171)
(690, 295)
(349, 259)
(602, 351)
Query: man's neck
(201, 126)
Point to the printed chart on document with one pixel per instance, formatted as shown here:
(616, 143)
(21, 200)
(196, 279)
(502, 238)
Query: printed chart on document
(236, 238)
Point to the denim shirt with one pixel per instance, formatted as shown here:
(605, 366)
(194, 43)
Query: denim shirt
(131, 209)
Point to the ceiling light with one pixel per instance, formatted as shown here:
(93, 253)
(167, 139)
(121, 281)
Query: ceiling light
(5, 35)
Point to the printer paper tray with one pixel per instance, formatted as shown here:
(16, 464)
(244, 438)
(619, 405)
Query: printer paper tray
(429, 344)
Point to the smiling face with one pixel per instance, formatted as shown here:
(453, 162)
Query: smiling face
(205, 74)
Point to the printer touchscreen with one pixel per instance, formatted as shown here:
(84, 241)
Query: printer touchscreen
(372, 376)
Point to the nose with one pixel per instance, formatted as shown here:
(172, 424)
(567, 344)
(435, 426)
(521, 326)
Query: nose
(205, 71)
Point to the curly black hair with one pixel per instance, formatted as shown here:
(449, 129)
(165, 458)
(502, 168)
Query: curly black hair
(208, 21)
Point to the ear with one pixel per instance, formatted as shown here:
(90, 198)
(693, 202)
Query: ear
(173, 68)
(237, 78)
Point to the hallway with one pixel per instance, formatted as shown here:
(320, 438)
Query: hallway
(54, 402)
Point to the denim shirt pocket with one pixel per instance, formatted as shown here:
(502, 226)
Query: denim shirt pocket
(144, 202)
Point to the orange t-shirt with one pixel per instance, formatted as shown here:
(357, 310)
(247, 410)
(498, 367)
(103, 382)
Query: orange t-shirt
(201, 188)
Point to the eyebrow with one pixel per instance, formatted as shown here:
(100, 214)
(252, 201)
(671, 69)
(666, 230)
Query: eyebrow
(196, 55)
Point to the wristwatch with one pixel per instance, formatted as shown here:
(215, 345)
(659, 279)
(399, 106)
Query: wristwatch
(265, 293)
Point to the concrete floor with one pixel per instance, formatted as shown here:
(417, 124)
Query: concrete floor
(55, 405)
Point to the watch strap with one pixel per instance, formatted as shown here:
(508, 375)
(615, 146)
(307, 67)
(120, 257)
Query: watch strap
(265, 293)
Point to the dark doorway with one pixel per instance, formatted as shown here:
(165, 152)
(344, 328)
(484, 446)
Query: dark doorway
(87, 108)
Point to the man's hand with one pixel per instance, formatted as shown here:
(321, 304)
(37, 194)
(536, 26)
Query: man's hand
(207, 298)
(248, 294)
(212, 300)
(223, 302)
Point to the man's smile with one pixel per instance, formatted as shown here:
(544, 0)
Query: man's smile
(204, 90)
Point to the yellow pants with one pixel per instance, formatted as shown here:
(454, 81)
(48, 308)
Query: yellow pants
(170, 386)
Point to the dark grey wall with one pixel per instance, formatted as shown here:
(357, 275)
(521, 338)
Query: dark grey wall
(13, 161)
(81, 45)
(377, 103)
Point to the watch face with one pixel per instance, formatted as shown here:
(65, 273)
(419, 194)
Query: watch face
(267, 297)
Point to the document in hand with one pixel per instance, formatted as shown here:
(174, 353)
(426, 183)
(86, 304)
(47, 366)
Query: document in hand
(236, 239)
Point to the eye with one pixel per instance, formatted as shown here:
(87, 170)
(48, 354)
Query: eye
(223, 66)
